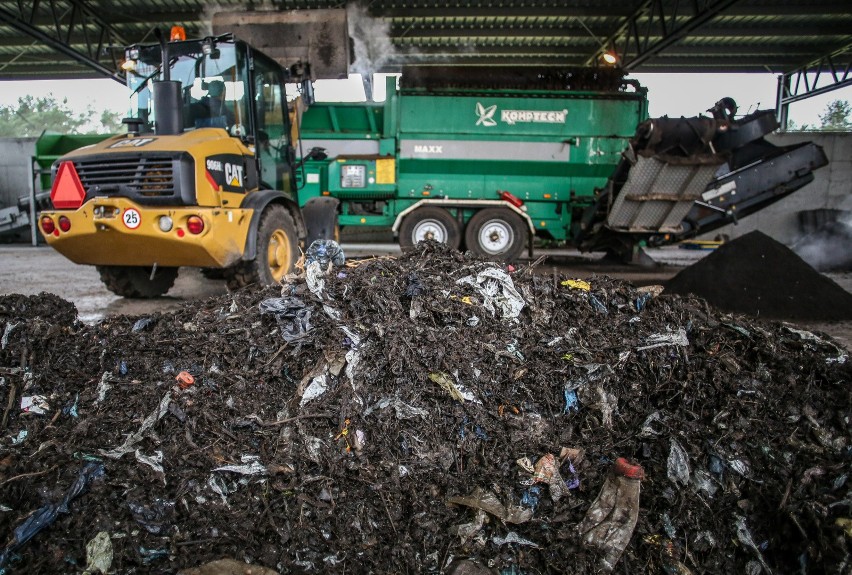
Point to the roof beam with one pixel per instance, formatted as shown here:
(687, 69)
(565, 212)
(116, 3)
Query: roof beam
(68, 17)
(827, 73)
(662, 19)
(599, 9)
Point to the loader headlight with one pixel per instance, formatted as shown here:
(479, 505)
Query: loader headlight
(166, 224)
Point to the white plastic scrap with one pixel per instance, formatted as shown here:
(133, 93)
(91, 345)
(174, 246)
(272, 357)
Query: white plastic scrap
(456, 390)
(155, 462)
(35, 404)
(331, 312)
(663, 339)
(134, 438)
(318, 386)
(103, 387)
(314, 279)
(220, 487)
(402, 409)
(744, 535)
(678, 464)
(497, 290)
(647, 430)
(741, 466)
(704, 482)
(6, 333)
(251, 466)
(22, 435)
(512, 537)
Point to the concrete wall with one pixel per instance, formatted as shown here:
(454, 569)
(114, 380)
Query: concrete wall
(831, 189)
(15, 154)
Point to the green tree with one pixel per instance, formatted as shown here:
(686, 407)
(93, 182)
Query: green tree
(836, 116)
(31, 116)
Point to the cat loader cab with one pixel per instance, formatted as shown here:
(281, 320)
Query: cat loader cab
(203, 178)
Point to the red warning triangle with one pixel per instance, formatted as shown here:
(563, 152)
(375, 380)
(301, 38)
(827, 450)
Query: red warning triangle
(67, 191)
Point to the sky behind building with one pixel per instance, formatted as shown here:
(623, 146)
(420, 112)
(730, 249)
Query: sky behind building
(668, 94)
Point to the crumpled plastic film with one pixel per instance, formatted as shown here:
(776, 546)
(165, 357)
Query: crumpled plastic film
(46, 515)
(292, 314)
(324, 252)
(497, 290)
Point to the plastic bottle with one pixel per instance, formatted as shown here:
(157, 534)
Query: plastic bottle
(610, 521)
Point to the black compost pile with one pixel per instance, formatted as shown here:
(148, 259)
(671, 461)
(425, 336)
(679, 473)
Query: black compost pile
(759, 276)
(392, 420)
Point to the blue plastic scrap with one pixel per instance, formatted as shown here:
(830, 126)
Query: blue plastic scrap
(598, 305)
(44, 516)
(531, 496)
(572, 402)
(642, 300)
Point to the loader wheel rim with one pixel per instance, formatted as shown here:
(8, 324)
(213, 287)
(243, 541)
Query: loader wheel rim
(429, 229)
(278, 254)
(495, 237)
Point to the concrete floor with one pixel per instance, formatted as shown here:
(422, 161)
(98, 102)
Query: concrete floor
(31, 270)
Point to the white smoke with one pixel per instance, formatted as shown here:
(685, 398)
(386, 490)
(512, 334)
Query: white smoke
(371, 40)
(828, 248)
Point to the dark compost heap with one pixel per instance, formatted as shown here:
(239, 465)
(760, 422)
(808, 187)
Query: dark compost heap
(329, 435)
(759, 276)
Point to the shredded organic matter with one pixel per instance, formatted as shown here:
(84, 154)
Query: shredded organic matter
(435, 412)
(758, 276)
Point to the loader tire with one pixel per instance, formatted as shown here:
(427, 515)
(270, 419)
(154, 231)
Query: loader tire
(277, 251)
(496, 233)
(136, 282)
(430, 223)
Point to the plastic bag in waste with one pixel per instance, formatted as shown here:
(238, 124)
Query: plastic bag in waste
(678, 464)
(324, 252)
(610, 521)
(291, 313)
(47, 514)
(487, 501)
(497, 290)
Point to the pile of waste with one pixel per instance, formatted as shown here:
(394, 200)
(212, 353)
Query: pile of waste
(423, 414)
(759, 276)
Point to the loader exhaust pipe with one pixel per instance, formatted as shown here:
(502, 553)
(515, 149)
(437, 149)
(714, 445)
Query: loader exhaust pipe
(168, 108)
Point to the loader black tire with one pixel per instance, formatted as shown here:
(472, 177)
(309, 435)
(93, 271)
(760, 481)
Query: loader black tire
(136, 282)
(277, 251)
(497, 234)
(430, 222)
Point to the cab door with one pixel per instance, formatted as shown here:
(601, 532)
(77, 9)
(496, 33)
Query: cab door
(272, 126)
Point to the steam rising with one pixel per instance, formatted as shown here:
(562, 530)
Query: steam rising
(829, 248)
(372, 43)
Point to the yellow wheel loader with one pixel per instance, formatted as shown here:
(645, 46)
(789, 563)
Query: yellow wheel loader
(205, 176)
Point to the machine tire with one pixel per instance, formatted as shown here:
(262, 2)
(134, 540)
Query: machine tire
(277, 251)
(136, 282)
(496, 233)
(429, 222)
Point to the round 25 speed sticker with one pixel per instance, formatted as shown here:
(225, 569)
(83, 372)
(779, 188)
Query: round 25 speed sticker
(131, 217)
